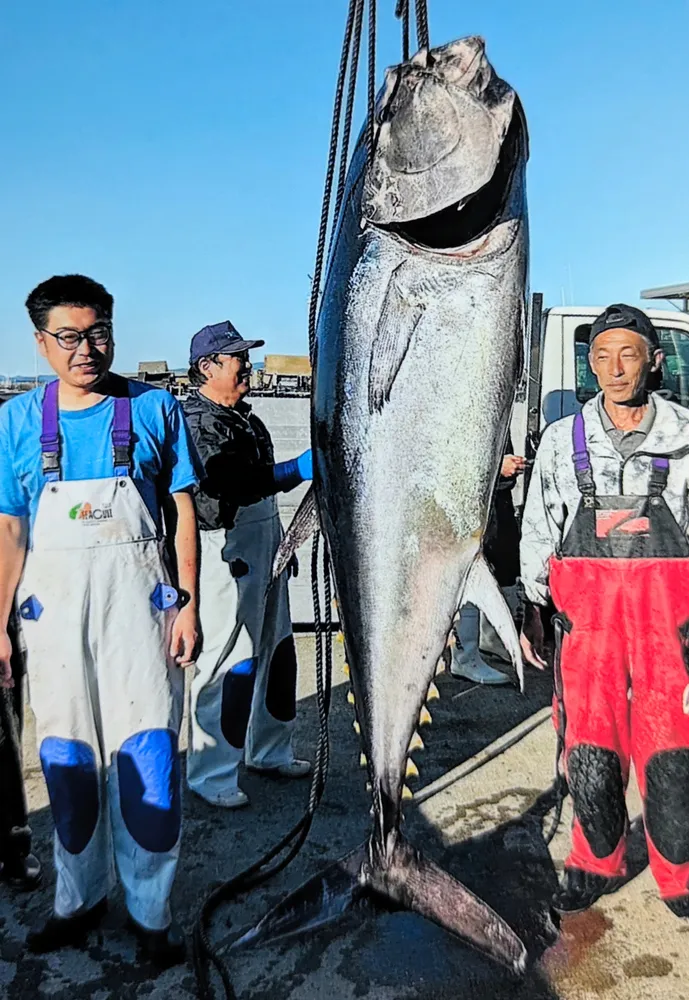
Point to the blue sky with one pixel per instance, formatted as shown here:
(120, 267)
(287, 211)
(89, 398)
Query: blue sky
(176, 153)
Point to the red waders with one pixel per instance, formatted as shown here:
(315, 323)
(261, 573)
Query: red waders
(621, 585)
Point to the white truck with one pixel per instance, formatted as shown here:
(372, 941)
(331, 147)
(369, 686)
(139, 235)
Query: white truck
(557, 378)
(557, 381)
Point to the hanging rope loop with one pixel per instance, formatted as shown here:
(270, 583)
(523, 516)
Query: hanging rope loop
(206, 956)
(422, 32)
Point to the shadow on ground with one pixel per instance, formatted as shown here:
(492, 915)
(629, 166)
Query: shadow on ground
(399, 955)
(386, 956)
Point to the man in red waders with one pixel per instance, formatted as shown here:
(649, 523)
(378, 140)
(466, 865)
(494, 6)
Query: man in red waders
(605, 535)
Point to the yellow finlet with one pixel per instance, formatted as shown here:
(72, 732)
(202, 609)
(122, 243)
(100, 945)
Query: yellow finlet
(412, 769)
(357, 728)
(425, 718)
(433, 693)
(441, 668)
(407, 792)
(345, 669)
(350, 698)
(369, 786)
(416, 743)
(339, 637)
(362, 760)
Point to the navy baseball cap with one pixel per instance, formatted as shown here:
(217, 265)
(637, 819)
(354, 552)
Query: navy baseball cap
(221, 338)
(622, 317)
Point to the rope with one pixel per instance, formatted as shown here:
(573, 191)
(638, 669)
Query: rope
(329, 175)
(371, 120)
(204, 954)
(422, 32)
(402, 12)
(348, 116)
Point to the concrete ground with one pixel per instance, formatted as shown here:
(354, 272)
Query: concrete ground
(479, 811)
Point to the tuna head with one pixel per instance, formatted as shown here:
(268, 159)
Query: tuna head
(442, 120)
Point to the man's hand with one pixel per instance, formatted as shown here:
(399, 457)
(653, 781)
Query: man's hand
(532, 640)
(185, 637)
(512, 465)
(6, 679)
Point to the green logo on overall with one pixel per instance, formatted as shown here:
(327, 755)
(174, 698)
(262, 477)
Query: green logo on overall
(85, 513)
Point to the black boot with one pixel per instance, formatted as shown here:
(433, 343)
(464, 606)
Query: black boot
(579, 890)
(679, 905)
(23, 873)
(60, 932)
(164, 948)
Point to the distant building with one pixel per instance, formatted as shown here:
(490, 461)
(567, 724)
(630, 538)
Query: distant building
(278, 375)
(157, 373)
(282, 375)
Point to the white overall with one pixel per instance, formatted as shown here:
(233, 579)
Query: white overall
(243, 692)
(106, 695)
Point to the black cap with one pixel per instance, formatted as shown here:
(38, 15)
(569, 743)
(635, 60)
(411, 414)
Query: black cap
(623, 317)
(221, 338)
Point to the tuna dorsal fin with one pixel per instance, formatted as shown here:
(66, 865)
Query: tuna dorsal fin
(482, 590)
(399, 318)
(303, 525)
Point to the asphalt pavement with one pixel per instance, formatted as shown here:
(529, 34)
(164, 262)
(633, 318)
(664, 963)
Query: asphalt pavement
(479, 809)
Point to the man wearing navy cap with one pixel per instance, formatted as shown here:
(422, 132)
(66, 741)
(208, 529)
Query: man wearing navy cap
(604, 534)
(243, 698)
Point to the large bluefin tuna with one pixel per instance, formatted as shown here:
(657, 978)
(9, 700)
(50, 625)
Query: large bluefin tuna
(419, 350)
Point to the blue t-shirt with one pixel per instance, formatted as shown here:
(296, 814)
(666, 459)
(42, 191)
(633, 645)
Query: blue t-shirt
(163, 456)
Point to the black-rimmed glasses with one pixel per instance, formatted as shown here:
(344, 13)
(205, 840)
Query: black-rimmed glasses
(98, 335)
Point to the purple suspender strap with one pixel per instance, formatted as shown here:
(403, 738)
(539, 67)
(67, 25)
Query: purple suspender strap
(50, 434)
(122, 436)
(660, 470)
(660, 467)
(580, 456)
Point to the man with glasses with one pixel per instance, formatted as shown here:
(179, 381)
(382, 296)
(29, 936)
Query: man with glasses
(86, 466)
(244, 689)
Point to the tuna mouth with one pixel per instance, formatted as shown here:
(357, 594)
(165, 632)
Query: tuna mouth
(466, 221)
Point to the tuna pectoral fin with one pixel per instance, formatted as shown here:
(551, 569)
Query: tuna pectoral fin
(324, 898)
(303, 525)
(418, 884)
(399, 317)
(406, 881)
(482, 590)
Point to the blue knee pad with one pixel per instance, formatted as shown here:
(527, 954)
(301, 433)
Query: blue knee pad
(71, 775)
(148, 771)
(281, 690)
(237, 695)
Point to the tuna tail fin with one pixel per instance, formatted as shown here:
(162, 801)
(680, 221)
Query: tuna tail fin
(481, 589)
(324, 898)
(408, 881)
(303, 525)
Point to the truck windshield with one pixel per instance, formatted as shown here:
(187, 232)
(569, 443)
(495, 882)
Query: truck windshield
(674, 378)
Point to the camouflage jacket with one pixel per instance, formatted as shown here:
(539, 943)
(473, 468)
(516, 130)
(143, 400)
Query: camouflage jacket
(237, 454)
(553, 496)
